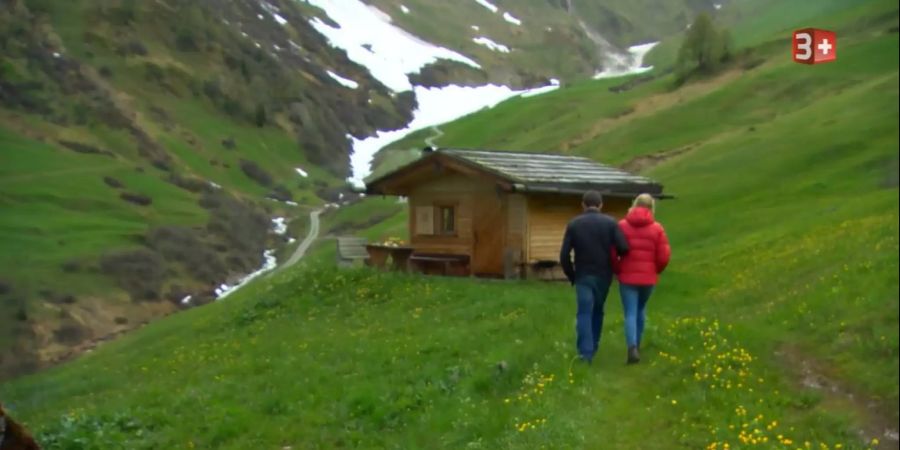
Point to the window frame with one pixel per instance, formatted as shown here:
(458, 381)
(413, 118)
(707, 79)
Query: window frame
(439, 208)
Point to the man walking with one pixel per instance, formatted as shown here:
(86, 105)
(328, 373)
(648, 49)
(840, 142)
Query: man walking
(592, 235)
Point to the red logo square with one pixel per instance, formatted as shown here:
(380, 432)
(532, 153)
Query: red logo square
(814, 46)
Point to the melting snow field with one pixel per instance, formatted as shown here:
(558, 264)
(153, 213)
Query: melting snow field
(346, 82)
(279, 227)
(436, 106)
(629, 64)
(369, 39)
(509, 18)
(488, 5)
(487, 42)
(269, 263)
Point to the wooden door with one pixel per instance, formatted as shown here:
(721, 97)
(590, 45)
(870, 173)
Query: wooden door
(489, 231)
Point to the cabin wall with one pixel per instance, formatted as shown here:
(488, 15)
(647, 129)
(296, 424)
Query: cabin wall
(516, 234)
(548, 216)
(451, 189)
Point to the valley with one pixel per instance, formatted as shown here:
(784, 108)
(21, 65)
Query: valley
(775, 325)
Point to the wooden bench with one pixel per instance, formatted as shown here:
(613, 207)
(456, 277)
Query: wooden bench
(449, 264)
(351, 249)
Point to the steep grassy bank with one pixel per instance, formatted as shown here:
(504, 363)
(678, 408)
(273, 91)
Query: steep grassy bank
(784, 278)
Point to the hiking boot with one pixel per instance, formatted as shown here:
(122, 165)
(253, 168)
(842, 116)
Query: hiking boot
(633, 356)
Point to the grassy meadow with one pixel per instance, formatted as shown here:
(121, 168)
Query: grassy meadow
(774, 327)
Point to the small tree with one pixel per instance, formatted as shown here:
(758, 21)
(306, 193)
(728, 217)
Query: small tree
(704, 49)
(260, 116)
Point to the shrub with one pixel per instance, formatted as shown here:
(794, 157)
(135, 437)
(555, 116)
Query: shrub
(185, 41)
(704, 49)
(139, 272)
(71, 267)
(79, 147)
(137, 199)
(112, 182)
(190, 184)
(281, 193)
(260, 115)
(256, 173)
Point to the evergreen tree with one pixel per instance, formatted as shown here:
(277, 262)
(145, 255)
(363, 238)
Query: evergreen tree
(704, 49)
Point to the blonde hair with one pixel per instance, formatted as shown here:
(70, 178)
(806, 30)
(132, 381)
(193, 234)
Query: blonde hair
(646, 201)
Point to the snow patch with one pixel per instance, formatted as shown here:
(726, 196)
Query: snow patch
(540, 90)
(301, 172)
(214, 185)
(717, 5)
(475, 27)
(273, 11)
(186, 300)
(488, 5)
(57, 55)
(511, 19)
(269, 263)
(435, 106)
(291, 241)
(346, 82)
(279, 225)
(260, 17)
(627, 64)
(394, 52)
(404, 9)
(487, 42)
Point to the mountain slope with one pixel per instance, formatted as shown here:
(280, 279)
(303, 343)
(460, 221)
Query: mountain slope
(145, 138)
(784, 278)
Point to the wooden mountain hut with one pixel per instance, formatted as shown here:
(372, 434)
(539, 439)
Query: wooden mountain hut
(500, 214)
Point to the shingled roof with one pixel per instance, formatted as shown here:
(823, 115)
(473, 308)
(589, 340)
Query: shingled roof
(540, 172)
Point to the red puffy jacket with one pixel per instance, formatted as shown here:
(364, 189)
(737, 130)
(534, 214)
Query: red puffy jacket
(648, 249)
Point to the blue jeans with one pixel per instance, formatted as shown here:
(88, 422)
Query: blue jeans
(634, 303)
(591, 293)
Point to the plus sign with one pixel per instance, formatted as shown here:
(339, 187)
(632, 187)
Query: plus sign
(824, 47)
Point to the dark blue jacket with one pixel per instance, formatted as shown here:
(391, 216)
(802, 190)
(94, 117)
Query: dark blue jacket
(592, 235)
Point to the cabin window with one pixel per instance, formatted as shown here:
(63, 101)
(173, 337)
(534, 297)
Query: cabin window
(447, 222)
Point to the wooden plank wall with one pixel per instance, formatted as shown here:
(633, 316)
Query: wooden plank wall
(516, 222)
(548, 216)
(449, 188)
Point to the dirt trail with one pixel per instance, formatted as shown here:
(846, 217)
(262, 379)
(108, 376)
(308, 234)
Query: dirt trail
(650, 105)
(429, 141)
(311, 237)
(876, 415)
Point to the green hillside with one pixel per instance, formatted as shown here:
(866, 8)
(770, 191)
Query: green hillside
(775, 326)
(146, 143)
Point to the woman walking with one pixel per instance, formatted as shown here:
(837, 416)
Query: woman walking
(638, 271)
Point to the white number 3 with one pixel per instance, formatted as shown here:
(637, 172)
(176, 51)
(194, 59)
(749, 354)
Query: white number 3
(804, 44)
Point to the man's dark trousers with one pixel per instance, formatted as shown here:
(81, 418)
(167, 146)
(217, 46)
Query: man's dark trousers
(591, 292)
